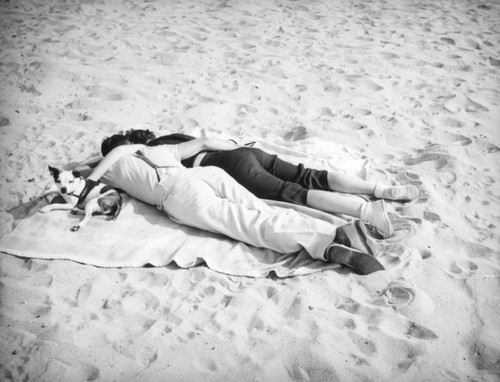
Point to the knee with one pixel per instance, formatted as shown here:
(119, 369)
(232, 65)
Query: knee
(294, 193)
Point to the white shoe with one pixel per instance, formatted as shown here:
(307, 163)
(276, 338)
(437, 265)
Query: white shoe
(375, 214)
(408, 192)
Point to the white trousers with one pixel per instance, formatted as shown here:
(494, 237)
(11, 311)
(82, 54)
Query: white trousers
(209, 199)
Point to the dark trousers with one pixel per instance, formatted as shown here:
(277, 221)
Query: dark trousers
(267, 176)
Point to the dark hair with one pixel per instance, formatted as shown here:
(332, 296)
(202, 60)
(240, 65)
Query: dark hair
(139, 136)
(109, 143)
(170, 139)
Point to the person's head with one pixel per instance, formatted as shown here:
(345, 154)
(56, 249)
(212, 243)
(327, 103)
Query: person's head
(139, 136)
(109, 143)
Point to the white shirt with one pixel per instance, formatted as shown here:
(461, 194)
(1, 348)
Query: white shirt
(139, 175)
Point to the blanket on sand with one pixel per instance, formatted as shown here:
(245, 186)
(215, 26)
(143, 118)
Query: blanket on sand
(142, 235)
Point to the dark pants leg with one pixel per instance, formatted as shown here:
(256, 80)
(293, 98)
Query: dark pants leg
(267, 176)
(307, 178)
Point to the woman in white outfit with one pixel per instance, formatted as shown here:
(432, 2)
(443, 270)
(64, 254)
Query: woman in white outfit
(209, 199)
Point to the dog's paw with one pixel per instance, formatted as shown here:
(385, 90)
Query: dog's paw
(75, 228)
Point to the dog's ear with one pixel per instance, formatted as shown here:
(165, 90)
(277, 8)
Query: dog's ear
(54, 172)
(76, 174)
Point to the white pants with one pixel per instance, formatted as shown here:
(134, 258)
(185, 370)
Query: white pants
(209, 199)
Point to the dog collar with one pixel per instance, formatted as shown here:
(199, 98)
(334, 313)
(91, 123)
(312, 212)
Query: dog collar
(89, 185)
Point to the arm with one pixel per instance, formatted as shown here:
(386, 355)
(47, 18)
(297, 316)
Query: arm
(92, 162)
(190, 148)
(110, 159)
(85, 168)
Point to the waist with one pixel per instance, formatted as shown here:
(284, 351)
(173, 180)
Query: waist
(166, 172)
(163, 189)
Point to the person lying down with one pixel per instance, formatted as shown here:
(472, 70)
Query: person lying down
(208, 198)
(269, 177)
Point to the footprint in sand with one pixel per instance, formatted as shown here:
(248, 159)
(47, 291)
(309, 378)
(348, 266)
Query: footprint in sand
(29, 302)
(226, 300)
(403, 227)
(365, 345)
(462, 102)
(139, 301)
(24, 272)
(83, 293)
(388, 55)
(457, 139)
(359, 82)
(409, 178)
(405, 298)
(255, 324)
(66, 370)
(431, 217)
(330, 87)
(77, 117)
(297, 133)
(440, 160)
(400, 327)
(461, 269)
(398, 293)
(295, 310)
(272, 294)
(412, 354)
(301, 88)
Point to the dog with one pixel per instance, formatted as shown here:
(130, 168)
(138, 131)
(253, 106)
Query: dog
(83, 196)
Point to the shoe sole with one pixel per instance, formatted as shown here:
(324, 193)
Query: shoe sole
(360, 262)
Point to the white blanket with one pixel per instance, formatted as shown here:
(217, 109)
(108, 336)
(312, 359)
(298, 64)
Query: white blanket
(142, 235)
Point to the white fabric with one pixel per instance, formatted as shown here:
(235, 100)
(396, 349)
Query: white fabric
(134, 176)
(163, 155)
(143, 235)
(209, 199)
(139, 179)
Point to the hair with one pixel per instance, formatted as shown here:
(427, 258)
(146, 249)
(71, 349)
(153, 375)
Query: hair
(170, 139)
(143, 137)
(139, 136)
(109, 143)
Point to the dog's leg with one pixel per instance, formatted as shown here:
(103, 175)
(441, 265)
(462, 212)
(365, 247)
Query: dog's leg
(90, 208)
(50, 194)
(52, 207)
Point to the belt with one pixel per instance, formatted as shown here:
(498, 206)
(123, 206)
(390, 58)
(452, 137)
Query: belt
(198, 159)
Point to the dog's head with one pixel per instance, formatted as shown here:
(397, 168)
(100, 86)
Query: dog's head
(65, 180)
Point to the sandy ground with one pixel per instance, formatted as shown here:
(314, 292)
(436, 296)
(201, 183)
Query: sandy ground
(411, 85)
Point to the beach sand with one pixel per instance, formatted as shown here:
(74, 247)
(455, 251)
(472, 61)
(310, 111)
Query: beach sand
(413, 86)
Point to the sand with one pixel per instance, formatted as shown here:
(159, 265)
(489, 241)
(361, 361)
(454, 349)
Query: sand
(413, 86)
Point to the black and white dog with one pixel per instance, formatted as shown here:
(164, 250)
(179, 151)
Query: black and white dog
(83, 196)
